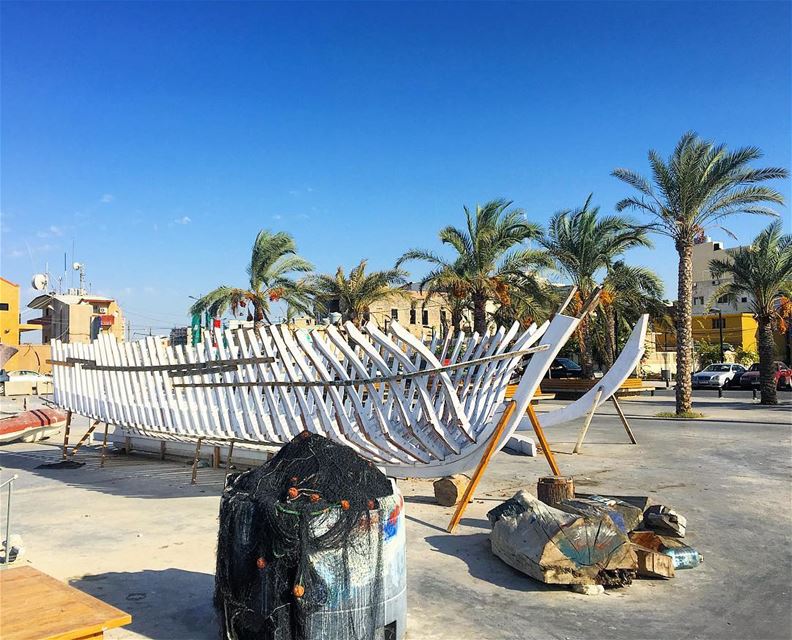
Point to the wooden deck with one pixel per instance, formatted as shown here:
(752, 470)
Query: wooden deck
(36, 606)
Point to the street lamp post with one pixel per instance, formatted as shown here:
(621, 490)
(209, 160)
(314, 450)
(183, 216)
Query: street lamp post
(720, 329)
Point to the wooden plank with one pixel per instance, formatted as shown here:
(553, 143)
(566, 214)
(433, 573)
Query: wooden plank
(36, 606)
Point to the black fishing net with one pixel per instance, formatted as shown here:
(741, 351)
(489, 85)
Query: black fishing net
(299, 552)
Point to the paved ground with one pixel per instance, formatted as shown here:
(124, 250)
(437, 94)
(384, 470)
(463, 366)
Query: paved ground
(138, 535)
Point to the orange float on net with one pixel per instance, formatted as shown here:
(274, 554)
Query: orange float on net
(298, 591)
(371, 505)
(261, 563)
(345, 504)
(293, 493)
(305, 434)
(315, 497)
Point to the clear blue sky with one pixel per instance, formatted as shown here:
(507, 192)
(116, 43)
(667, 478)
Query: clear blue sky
(161, 137)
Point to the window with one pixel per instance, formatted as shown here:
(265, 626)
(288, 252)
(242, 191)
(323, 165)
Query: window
(425, 317)
(719, 323)
(3, 306)
(394, 314)
(743, 299)
(723, 299)
(698, 300)
(413, 315)
(442, 317)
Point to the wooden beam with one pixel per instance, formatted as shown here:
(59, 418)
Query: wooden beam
(66, 430)
(548, 453)
(623, 419)
(587, 422)
(104, 447)
(492, 447)
(85, 437)
(195, 460)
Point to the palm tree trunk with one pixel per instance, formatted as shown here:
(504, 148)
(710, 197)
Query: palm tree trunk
(585, 342)
(609, 352)
(684, 327)
(766, 345)
(456, 319)
(479, 313)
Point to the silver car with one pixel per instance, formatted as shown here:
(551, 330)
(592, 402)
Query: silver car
(718, 376)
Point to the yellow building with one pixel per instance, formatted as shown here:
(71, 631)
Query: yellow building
(11, 325)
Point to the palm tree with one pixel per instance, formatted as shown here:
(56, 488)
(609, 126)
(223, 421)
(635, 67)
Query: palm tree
(763, 272)
(357, 293)
(627, 292)
(529, 300)
(272, 261)
(583, 244)
(487, 258)
(700, 185)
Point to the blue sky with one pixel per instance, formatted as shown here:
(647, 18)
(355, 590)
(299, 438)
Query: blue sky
(160, 137)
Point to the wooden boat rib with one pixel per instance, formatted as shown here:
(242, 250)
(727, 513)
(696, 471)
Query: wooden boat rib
(416, 409)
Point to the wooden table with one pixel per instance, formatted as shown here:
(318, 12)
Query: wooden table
(36, 606)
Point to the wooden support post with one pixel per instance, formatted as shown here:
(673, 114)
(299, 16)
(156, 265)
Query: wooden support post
(128, 445)
(587, 422)
(548, 453)
(230, 453)
(66, 430)
(195, 460)
(623, 419)
(85, 437)
(104, 447)
(162, 449)
(489, 451)
(215, 457)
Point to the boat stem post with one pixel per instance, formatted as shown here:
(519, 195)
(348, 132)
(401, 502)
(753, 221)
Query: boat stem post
(195, 460)
(66, 429)
(104, 447)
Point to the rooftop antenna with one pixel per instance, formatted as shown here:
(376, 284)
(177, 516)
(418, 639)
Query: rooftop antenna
(78, 266)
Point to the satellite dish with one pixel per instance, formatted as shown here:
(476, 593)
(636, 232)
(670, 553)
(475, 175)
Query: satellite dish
(76, 266)
(40, 281)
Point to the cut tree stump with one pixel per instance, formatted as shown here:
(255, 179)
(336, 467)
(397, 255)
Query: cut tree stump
(553, 489)
(449, 490)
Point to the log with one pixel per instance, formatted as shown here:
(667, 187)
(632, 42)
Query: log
(448, 490)
(553, 489)
(561, 548)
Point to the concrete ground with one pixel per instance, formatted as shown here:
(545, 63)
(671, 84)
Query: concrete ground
(139, 536)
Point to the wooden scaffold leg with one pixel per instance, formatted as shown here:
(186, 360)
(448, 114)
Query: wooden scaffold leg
(66, 430)
(104, 447)
(548, 452)
(623, 419)
(476, 478)
(195, 460)
(85, 437)
(584, 429)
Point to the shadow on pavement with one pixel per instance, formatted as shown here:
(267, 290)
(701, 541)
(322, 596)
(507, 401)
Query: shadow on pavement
(169, 604)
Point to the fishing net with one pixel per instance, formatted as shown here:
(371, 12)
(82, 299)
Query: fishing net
(300, 547)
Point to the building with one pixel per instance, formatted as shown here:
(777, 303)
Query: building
(77, 316)
(11, 325)
(15, 356)
(704, 285)
(181, 336)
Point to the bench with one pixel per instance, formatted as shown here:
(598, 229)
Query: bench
(37, 606)
(569, 388)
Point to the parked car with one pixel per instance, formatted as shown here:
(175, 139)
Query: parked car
(718, 376)
(781, 373)
(34, 378)
(565, 368)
